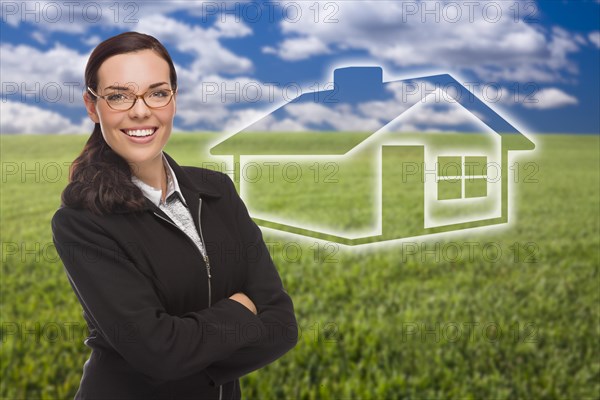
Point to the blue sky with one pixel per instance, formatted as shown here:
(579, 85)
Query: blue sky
(536, 63)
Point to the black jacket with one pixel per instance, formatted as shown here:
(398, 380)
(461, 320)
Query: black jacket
(157, 330)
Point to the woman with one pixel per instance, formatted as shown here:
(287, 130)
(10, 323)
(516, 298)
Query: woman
(177, 287)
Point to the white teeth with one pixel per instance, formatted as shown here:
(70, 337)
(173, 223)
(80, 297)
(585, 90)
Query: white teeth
(139, 132)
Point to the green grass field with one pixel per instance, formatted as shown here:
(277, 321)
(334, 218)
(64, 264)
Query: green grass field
(502, 313)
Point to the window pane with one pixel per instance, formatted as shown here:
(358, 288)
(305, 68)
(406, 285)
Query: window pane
(475, 166)
(475, 187)
(449, 189)
(449, 166)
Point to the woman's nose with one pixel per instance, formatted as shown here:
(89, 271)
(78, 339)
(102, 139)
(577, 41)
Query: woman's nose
(139, 110)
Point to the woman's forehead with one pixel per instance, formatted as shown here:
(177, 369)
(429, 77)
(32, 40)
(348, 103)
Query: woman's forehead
(140, 69)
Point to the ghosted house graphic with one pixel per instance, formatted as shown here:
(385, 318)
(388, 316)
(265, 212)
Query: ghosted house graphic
(423, 181)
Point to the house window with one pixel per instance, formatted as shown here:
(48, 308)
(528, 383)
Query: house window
(461, 177)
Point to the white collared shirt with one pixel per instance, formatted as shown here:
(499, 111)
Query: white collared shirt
(174, 205)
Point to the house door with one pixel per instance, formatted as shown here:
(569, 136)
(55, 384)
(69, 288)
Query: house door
(402, 191)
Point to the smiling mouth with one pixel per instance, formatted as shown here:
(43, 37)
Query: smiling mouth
(139, 132)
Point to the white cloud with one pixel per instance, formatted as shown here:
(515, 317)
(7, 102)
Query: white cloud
(47, 76)
(561, 44)
(261, 120)
(41, 66)
(342, 117)
(213, 101)
(503, 50)
(39, 37)
(287, 125)
(310, 113)
(431, 116)
(381, 110)
(91, 41)
(393, 32)
(427, 109)
(594, 38)
(47, 17)
(210, 55)
(551, 98)
(68, 17)
(269, 50)
(74, 17)
(23, 118)
(230, 28)
(298, 48)
(242, 118)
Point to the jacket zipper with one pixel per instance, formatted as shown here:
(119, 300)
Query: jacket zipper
(207, 262)
(204, 256)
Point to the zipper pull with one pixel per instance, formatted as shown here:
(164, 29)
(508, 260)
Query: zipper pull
(207, 262)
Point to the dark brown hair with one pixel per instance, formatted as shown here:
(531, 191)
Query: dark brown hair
(99, 178)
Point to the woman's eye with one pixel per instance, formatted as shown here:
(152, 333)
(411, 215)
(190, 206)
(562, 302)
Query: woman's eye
(159, 93)
(116, 97)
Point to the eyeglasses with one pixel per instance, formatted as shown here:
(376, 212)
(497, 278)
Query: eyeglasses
(124, 101)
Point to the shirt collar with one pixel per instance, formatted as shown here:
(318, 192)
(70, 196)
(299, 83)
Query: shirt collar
(155, 195)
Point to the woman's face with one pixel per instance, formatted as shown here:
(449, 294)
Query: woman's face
(139, 134)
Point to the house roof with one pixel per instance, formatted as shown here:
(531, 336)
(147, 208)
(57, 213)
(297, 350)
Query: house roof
(355, 88)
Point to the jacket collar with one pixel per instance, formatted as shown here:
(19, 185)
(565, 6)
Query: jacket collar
(191, 190)
(185, 181)
(154, 194)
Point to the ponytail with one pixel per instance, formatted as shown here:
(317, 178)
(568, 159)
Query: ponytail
(100, 180)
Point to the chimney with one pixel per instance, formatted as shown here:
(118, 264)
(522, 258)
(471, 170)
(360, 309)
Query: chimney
(357, 81)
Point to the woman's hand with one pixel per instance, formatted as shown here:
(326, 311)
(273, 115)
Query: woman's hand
(245, 301)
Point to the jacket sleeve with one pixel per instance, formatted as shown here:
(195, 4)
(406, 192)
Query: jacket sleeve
(118, 298)
(263, 286)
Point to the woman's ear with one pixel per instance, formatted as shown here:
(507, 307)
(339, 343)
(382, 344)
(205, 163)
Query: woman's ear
(90, 106)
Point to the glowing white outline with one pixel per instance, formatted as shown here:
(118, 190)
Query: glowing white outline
(498, 109)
